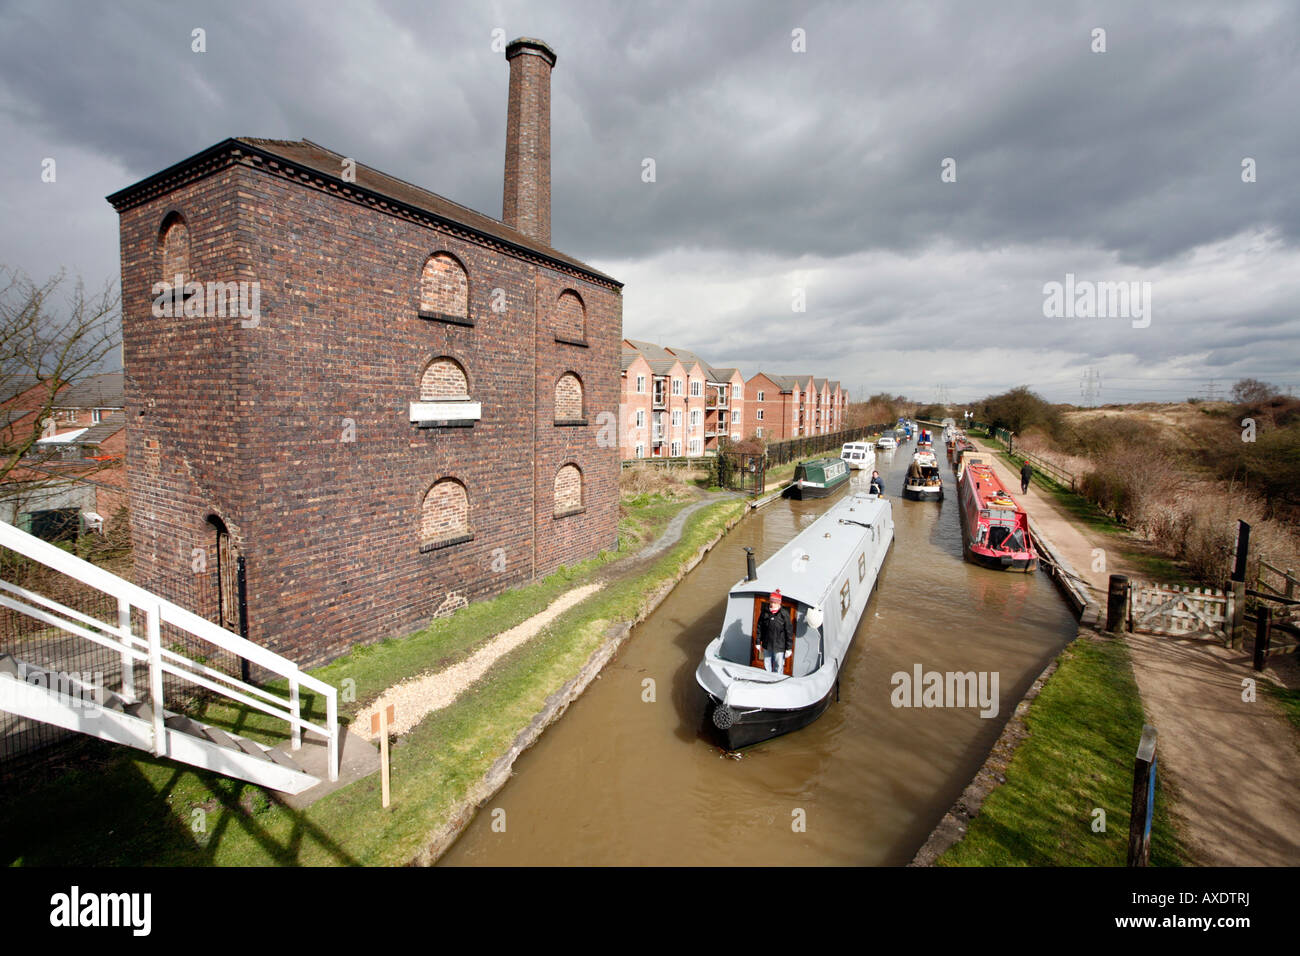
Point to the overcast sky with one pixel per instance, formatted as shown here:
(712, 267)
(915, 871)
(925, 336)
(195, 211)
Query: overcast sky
(779, 174)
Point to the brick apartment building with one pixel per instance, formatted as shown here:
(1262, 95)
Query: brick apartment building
(781, 407)
(674, 404)
(404, 420)
(72, 478)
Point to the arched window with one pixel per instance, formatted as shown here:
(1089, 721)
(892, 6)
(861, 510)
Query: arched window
(444, 515)
(174, 240)
(444, 289)
(568, 490)
(570, 319)
(568, 400)
(444, 380)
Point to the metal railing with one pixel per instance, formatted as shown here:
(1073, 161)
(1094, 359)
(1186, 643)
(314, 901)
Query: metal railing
(121, 638)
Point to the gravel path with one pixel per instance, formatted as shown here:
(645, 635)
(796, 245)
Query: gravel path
(415, 699)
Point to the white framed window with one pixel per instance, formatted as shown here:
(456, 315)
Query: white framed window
(695, 447)
(735, 436)
(695, 416)
(735, 417)
(697, 388)
(640, 384)
(758, 432)
(640, 419)
(761, 398)
(760, 414)
(95, 416)
(737, 391)
(677, 386)
(676, 450)
(640, 451)
(677, 418)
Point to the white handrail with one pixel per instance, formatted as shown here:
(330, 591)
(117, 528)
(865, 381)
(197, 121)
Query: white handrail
(157, 612)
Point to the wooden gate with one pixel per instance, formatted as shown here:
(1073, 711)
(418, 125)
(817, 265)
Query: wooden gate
(1180, 612)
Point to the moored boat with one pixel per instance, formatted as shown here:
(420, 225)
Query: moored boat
(922, 481)
(994, 528)
(818, 478)
(825, 575)
(858, 454)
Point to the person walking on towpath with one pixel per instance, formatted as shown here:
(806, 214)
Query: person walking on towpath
(775, 633)
(1026, 472)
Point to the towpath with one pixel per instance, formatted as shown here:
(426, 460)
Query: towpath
(1233, 764)
(417, 697)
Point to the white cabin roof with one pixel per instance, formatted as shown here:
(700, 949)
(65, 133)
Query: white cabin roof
(829, 544)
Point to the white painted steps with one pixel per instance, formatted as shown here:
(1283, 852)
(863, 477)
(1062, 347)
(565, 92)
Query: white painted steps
(69, 702)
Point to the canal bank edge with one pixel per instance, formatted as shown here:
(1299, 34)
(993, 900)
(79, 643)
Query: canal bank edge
(951, 829)
(463, 813)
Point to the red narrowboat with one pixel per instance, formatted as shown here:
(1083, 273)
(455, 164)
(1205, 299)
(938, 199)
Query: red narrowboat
(994, 529)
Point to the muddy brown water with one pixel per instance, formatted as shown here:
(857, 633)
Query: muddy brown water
(619, 780)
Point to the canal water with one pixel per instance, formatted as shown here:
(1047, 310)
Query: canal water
(620, 780)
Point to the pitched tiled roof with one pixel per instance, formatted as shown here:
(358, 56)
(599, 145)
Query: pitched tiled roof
(314, 158)
(109, 425)
(94, 391)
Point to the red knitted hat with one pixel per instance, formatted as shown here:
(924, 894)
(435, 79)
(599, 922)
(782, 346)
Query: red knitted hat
(776, 594)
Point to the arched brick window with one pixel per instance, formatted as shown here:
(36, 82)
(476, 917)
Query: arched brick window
(571, 319)
(444, 288)
(568, 490)
(568, 399)
(444, 380)
(174, 238)
(444, 515)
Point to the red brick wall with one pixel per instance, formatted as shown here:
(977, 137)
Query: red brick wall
(296, 432)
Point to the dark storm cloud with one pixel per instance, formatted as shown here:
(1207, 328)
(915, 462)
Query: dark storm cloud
(1119, 165)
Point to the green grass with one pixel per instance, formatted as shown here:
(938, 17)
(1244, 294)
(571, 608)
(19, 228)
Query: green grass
(130, 809)
(1084, 729)
(1288, 700)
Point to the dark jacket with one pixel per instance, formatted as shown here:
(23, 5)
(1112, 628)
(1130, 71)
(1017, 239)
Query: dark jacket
(774, 630)
(1026, 472)
(877, 487)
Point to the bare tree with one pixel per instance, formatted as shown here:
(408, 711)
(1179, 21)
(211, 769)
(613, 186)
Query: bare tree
(1251, 391)
(47, 342)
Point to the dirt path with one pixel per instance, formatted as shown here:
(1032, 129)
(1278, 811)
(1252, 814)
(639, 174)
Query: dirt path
(416, 698)
(1233, 764)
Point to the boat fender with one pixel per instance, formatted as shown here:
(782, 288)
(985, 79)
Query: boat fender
(814, 617)
(723, 717)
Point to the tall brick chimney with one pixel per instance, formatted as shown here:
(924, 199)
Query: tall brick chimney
(527, 197)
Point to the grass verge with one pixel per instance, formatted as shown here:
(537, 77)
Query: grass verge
(132, 809)
(1083, 734)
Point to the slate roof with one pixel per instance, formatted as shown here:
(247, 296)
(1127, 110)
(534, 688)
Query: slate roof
(312, 157)
(94, 391)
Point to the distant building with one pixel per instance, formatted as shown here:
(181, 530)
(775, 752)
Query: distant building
(73, 478)
(781, 407)
(383, 403)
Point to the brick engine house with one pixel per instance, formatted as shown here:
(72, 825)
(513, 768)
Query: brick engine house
(379, 403)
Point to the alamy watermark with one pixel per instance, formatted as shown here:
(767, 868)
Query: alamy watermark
(177, 299)
(946, 689)
(1083, 299)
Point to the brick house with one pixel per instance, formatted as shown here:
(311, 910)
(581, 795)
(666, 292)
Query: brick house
(635, 410)
(402, 415)
(781, 407)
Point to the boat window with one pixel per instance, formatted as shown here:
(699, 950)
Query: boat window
(862, 564)
(1017, 541)
(844, 598)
